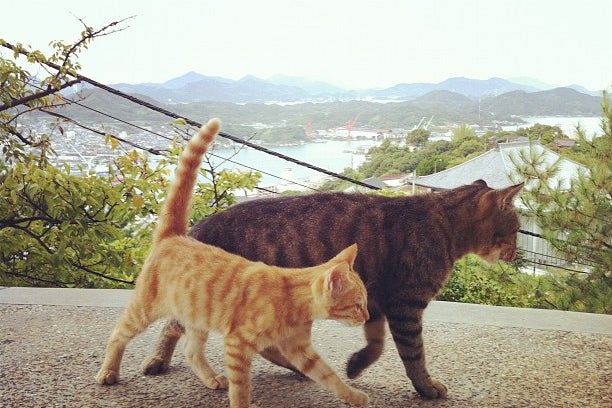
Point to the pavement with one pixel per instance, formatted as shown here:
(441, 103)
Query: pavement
(52, 344)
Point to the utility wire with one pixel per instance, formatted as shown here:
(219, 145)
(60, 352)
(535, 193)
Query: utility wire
(226, 135)
(193, 122)
(151, 150)
(235, 139)
(155, 151)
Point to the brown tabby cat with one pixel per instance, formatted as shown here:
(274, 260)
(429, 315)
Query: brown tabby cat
(252, 304)
(407, 247)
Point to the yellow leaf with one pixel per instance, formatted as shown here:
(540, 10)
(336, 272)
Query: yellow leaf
(137, 201)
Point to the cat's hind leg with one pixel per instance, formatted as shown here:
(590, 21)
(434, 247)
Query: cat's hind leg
(195, 343)
(274, 356)
(406, 327)
(160, 360)
(134, 320)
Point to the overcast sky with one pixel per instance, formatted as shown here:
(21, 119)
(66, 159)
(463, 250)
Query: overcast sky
(351, 43)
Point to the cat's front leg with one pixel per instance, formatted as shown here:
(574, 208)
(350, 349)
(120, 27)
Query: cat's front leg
(129, 325)
(238, 357)
(310, 363)
(195, 353)
(406, 328)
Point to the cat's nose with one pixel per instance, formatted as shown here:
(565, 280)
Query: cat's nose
(366, 314)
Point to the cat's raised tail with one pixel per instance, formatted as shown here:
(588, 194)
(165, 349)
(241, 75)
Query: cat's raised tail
(173, 217)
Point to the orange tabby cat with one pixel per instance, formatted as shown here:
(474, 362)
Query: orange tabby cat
(252, 304)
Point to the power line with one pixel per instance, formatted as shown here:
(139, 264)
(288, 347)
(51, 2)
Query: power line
(249, 144)
(191, 122)
(155, 151)
(226, 135)
(151, 150)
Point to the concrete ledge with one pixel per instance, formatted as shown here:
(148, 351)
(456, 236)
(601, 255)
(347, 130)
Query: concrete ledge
(65, 297)
(52, 343)
(439, 311)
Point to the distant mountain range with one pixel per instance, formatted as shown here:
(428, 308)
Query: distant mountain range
(194, 87)
(444, 107)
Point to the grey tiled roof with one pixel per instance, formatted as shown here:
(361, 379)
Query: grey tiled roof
(497, 168)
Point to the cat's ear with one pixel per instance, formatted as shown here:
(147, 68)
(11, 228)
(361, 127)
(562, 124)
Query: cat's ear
(348, 254)
(506, 195)
(334, 279)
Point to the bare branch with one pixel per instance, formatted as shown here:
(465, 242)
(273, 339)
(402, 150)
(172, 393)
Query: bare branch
(89, 35)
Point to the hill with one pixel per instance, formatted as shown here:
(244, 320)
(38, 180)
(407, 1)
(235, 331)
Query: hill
(194, 87)
(558, 101)
(446, 107)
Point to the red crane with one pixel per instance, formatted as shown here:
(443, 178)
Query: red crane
(349, 126)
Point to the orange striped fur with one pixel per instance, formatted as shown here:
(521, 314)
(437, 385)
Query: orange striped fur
(255, 306)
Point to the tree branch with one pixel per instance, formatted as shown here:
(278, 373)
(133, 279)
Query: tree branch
(99, 274)
(13, 222)
(35, 278)
(26, 99)
(71, 262)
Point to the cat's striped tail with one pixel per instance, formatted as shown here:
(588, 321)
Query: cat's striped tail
(173, 217)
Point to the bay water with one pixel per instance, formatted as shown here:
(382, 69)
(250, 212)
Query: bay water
(336, 155)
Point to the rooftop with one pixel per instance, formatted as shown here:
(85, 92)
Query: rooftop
(52, 344)
(496, 167)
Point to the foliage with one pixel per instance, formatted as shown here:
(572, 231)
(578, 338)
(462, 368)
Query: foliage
(461, 134)
(418, 137)
(577, 220)
(431, 164)
(341, 185)
(78, 229)
(474, 282)
(429, 157)
(388, 158)
(545, 134)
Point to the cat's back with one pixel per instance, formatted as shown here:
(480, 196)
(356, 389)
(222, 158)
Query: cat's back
(280, 212)
(204, 284)
(307, 230)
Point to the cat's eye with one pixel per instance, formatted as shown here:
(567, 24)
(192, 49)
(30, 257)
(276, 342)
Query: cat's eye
(358, 307)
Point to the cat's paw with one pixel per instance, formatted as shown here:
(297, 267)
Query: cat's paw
(154, 365)
(218, 382)
(356, 364)
(107, 377)
(434, 389)
(355, 397)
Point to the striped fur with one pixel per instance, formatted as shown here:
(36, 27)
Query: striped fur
(407, 247)
(254, 306)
